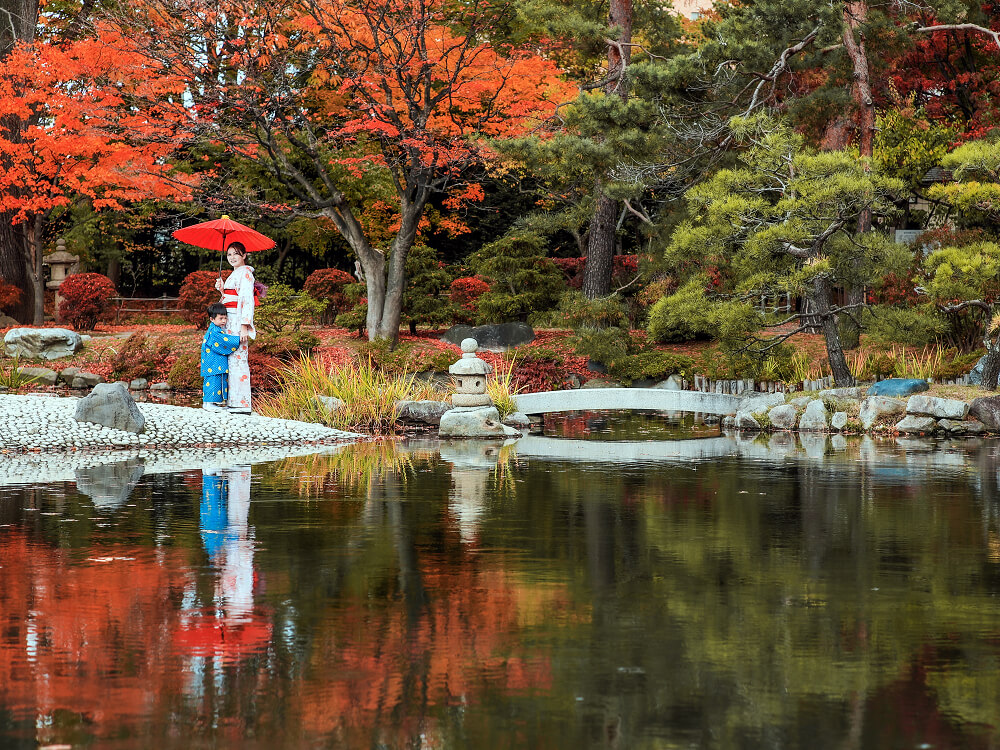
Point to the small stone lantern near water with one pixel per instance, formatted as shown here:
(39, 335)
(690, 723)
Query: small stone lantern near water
(473, 414)
(470, 377)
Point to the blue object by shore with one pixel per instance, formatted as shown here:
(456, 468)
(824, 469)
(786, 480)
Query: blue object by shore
(898, 387)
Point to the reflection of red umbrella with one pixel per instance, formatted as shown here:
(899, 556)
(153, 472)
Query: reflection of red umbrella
(220, 233)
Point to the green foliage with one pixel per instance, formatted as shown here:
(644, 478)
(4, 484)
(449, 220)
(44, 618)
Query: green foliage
(650, 363)
(356, 318)
(976, 192)
(185, 374)
(913, 326)
(284, 308)
(577, 311)
(425, 300)
(523, 280)
(683, 316)
(11, 377)
(405, 357)
(286, 345)
(907, 144)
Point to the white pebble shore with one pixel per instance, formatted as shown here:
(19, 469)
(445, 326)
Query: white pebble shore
(46, 423)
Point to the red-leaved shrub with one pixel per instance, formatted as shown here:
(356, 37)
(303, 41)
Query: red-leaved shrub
(197, 293)
(328, 284)
(264, 371)
(465, 291)
(83, 298)
(10, 295)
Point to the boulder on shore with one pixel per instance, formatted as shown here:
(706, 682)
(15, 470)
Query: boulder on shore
(783, 417)
(898, 387)
(110, 405)
(814, 418)
(939, 408)
(474, 422)
(987, 410)
(422, 412)
(874, 407)
(42, 343)
(911, 425)
(38, 375)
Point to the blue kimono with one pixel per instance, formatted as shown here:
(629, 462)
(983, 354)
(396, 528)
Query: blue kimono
(214, 518)
(215, 351)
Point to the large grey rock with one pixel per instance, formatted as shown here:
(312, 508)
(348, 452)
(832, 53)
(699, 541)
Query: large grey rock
(746, 421)
(961, 428)
(139, 384)
(518, 421)
(110, 404)
(760, 404)
(39, 375)
(875, 407)
(329, 404)
(496, 337)
(939, 408)
(987, 410)
(7, 322)
(474, 422)
(801, 401)
(814, 418)
(839, 420)
(67, 374)
(422, 412)
(86, 380)
(601, 383)
(783, 417)
(911, 425)
(109, 485)
(857, 393)
(42, 343)
(976, 374)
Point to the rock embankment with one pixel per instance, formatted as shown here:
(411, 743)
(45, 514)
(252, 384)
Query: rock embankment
(862, 410)
(48, 423)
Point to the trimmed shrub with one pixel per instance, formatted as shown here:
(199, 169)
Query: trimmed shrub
(197, 293)
(286, 346)
(328, 285)
(185, 375)
(523, 280)
(355, 319)
(683, 316)
(427, 280)
(10, 296)
(285, 308)
(84, 298)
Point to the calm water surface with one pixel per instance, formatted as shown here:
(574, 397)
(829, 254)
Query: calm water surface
(706, 593)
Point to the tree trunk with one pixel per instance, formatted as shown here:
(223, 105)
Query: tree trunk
(18, 20)
(991, 368)
(855, 15)
(600, 248)
(601, 236)
(820, 298)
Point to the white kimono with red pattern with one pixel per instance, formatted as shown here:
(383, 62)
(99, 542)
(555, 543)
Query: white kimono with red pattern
(239, 287)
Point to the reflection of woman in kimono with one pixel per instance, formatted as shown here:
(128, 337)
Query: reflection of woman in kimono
(225, 508)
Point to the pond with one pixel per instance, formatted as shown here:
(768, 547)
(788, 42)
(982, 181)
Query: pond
(553, 593)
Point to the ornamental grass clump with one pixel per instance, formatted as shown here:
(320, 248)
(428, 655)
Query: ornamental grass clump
(369, 395)
(500, 387)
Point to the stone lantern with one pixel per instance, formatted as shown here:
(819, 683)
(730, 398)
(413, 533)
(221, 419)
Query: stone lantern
(470, 377)
(61, 264)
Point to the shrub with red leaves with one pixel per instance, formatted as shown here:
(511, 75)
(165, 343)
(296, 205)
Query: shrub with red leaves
(197, 293)
(623, 270)
(84, 297)
(328, 284)
(464, 292)
(10, 295)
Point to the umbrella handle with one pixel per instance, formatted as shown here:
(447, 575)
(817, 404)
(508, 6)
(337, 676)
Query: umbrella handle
(222, 254)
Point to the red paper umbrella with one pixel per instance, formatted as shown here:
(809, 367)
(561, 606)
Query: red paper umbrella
(221, 233)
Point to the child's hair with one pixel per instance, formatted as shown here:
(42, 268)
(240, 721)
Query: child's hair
(238, 247)
(217, 308)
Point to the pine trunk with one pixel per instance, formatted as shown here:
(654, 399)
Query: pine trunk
(991, 369)
(601, 235)
(820, 298)
(600, 249)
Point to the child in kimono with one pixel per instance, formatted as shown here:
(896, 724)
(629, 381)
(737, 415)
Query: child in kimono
(215, 350)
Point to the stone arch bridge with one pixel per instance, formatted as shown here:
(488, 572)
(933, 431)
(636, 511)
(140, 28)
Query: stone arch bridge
(655, 399)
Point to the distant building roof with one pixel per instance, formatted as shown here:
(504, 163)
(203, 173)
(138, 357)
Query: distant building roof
(937, 174)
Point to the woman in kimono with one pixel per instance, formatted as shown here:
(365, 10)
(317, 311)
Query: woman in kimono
(238, 297)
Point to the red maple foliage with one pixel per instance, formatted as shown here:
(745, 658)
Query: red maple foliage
(84, 298)
(328, 284)
(10, 296)
(197, 292)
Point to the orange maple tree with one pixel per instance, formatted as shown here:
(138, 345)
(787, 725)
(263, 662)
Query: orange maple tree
(72, 133)
(355, 105)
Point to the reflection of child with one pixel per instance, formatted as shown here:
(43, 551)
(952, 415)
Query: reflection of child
(215, 351)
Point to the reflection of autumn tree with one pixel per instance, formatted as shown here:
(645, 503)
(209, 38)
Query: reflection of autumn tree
(75, 633)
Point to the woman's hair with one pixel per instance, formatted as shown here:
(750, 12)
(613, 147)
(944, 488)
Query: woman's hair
(238, 247)
(217, 308)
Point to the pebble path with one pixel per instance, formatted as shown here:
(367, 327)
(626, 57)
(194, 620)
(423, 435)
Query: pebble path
(46, 423)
